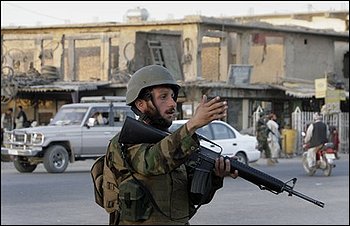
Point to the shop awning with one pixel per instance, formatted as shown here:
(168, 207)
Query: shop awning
(300, 90)
(64, 87)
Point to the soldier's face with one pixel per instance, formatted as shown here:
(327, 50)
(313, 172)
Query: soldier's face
(162, 110)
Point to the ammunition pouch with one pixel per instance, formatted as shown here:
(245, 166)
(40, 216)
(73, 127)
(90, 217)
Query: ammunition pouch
(110, 190)
(134, 202)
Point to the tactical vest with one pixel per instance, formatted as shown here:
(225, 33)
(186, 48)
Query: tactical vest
(167, 191)
(120, 197)
(121, 192)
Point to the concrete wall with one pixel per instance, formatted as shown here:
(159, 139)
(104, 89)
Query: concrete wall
(210, 60)
(303, 52)
(341, 49)
(267, 57)
(316, 22)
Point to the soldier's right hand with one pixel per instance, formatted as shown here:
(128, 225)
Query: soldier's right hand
(206, 112)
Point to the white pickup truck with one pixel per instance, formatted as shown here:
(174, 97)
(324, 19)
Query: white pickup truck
(72, 135)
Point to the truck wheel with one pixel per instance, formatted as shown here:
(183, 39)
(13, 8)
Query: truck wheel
(56, 159)
(23, 166)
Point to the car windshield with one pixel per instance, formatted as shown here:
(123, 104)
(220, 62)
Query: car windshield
(69, 116)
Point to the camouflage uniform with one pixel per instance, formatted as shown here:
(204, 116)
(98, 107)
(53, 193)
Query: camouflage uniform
(262, 134)
(160, 167)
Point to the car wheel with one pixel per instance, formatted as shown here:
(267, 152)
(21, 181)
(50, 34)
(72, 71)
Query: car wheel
(56, 159)
(242, 157)
(23, 166)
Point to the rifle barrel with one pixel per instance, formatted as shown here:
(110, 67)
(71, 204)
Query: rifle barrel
(268, 182)
(307, 198)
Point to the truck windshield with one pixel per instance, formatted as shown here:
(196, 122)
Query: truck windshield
(69, 116)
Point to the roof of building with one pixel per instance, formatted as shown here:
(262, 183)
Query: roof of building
(64, 86)
(227, 23)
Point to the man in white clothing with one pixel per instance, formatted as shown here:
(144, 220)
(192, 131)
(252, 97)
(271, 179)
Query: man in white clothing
(274, 137)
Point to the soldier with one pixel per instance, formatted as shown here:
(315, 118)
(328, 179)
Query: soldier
(262, 132)
(159, 168)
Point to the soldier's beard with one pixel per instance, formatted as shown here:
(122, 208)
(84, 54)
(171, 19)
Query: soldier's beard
(157, 121)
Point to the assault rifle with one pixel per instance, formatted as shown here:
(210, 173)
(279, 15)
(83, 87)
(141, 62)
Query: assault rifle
(136, 132)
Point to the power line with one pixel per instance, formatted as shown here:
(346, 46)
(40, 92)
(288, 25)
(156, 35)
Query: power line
(35, 12)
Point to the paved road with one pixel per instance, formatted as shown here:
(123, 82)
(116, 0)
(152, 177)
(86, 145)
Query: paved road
(41, 198)
(242, 203)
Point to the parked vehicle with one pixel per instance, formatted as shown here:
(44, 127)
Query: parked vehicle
(72, 135)
(232, 142)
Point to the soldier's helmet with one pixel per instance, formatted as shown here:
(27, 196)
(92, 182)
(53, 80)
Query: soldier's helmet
(148, 76)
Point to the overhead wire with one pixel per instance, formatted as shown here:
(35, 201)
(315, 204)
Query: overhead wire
(35, 12)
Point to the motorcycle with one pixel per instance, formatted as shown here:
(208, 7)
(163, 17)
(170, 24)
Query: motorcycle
(325, 157)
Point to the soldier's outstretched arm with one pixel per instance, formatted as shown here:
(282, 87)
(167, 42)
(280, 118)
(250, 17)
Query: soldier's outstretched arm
(206, 112)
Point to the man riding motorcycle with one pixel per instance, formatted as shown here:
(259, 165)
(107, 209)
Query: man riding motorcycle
(316, 137)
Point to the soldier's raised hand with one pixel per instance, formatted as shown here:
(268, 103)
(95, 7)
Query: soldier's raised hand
(206, 112)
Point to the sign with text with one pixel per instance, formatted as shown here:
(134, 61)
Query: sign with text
(239, 74)
(320, 87)
(332, 101)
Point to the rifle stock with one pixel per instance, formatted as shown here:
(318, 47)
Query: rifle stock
(136, 132)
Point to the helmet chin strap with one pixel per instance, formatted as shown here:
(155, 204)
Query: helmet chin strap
(142, 116)
(157, 121)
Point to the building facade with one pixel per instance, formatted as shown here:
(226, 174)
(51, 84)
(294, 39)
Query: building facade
(249, 65)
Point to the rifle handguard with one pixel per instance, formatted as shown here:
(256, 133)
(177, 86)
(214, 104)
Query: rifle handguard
(257, 177)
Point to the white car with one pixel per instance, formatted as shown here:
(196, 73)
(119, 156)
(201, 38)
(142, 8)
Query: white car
(232, 142)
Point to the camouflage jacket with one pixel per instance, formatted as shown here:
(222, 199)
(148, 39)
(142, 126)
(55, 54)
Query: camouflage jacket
(160, 167)
(262, 130)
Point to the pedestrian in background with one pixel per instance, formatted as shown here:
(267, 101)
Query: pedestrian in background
(334, 138)
(274, 137)
(21, 118)
(6, 122)
(261, 136)
(316, 137)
